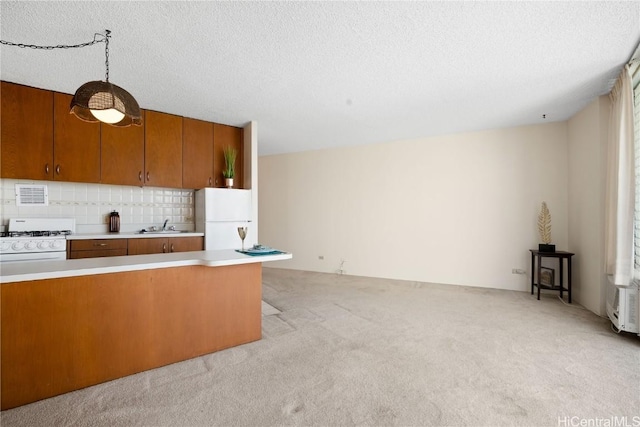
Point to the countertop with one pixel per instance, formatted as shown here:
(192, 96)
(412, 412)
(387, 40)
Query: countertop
(130, 235)
(20, 272)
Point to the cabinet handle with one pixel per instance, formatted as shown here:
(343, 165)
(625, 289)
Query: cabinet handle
(216, 182)
(209, 181)
(140, 176)
(58, 169)
(164, 247)
(148, 177)
(172, 247)
(99, 244)
(46, 168)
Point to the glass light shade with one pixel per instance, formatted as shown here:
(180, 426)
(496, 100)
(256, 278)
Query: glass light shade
(109, 116)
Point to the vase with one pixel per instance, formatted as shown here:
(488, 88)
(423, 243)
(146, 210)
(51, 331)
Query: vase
(228, 182)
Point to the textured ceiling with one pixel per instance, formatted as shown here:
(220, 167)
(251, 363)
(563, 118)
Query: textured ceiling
(326, 74)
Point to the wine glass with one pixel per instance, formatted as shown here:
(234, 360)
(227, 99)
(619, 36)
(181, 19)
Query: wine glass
(242, 232)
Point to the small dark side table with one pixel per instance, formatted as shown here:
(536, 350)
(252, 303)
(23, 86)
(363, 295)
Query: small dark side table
(535, 271)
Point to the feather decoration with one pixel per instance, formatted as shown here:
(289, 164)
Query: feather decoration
(544, 224)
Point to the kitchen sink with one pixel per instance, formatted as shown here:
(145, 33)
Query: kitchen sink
(163, 232)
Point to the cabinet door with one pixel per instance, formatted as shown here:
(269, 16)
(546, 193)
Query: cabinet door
(186, 244)
(76, 144)
(163, 150)
(96, 248)
(148, 246)
(122, 155)
(197, 153)
(224, 135)
(27, 132)
(97, 254)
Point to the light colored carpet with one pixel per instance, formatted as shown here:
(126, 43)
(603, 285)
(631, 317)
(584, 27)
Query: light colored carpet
(269, 310)
(349, 350)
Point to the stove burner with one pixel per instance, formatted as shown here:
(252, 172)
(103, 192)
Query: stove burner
(38, 233)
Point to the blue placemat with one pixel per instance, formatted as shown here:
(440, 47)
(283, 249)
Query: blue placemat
(253, 253)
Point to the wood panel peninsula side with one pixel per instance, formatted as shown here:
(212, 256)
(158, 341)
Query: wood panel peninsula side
(88, 321)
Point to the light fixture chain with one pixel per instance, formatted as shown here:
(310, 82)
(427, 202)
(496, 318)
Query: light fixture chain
(98, 101)
(59, 46)
(106, 53)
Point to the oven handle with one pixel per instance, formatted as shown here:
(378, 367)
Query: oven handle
(59, 256)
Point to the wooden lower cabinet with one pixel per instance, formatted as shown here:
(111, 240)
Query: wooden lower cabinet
(96, 248)
(148, 246)
(186, 244)
(155, 245)
(59, 335)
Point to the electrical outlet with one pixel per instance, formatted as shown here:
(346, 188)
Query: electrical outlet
(320, 257)
(518, 271)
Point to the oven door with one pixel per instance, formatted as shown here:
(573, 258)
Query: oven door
(33, 257)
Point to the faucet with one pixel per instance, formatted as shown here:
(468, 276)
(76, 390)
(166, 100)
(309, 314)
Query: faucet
(164, 226)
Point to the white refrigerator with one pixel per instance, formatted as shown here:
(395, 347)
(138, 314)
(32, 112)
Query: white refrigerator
(218, 214)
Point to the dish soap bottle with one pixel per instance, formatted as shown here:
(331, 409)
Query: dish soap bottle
(114, 222)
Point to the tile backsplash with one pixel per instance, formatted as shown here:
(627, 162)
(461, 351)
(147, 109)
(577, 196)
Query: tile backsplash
(90, 205)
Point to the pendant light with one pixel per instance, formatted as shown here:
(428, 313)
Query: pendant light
(99, 101)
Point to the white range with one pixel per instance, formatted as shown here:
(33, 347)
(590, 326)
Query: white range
(36, 239)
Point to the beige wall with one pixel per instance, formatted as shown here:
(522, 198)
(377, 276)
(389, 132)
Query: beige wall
(587, 136)
(457, 209)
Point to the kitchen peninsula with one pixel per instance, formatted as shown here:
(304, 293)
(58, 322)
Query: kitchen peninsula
(71, 324)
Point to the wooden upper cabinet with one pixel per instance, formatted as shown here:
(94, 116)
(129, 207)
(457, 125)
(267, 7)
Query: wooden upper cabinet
(42, 140)
(76, 144)
(197, 153)
(163, 150)
(224, 135)
(122, 158)
(27, 132)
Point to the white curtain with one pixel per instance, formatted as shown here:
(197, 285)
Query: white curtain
(620, 192)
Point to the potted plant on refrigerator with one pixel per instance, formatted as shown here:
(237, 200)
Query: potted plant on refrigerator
(230, 154)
